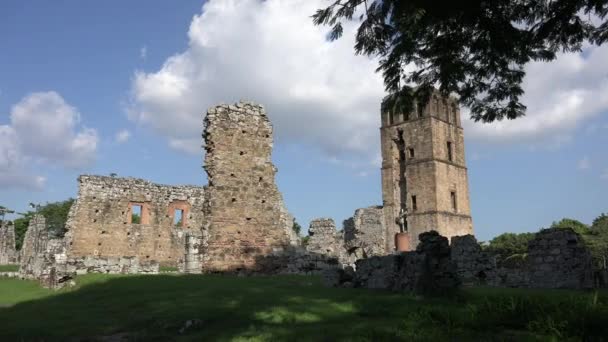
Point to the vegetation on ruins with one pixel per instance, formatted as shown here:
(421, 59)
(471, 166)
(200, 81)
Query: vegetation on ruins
(56, 214)
(513, 246)
(296, 227)
(282, 308)
(476, 49)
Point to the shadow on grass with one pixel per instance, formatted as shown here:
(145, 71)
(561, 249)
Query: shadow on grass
(156, 308)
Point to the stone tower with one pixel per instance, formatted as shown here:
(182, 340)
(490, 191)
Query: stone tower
(246, 219)
(424, 171)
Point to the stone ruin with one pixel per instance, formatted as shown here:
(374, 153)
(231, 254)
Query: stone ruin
(557, 258)
(8, 253)
(245, 217)
(239, 223)
(100, 222)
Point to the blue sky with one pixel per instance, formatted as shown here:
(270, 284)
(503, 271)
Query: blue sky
(101, 87)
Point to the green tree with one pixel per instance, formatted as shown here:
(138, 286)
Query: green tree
(55, 213)
(21, 225)
(510, 244)
(296, 227)
(135, 218)
(577, 226)
(476, 49)
(597, 240)
(600, 223)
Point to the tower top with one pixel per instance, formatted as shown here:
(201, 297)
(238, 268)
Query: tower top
(444, 108)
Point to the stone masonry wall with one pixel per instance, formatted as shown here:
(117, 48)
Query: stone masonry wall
(245, 211)
(33, 248)
(558, 258)
(326, 240)
(8, 253)
(100, 221)
(365, 232)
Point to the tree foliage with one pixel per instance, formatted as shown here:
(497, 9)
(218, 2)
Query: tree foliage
(296, 227)
(577, 226)
(509, 244)
(55, 213)
(476, 49)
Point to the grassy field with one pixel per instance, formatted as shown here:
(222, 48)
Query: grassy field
(9, 268)
(294, 308)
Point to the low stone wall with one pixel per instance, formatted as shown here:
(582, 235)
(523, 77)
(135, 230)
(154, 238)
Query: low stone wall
(429, 269)
(556, 259)
(111, 265)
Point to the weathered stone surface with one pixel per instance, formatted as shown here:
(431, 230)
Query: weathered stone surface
(34, 247)
(324, 239)
(474, 266)
(8, 253)
(558, 258)
(246, 219)
(99, 223)
(416, 162)
(192, 259)
(429, 269)
(365, 233)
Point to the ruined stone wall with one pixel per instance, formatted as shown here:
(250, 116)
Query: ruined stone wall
(34, 247)
(8, 253)
(324, 239)
(365, 231)
(246, 216)
(100, 221)
(558, 258)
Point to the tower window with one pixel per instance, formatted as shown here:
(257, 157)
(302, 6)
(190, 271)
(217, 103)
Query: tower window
(414, 204)
(420, 110)
(453, 199)
(401, 155)
(411, 153)
(450, 156)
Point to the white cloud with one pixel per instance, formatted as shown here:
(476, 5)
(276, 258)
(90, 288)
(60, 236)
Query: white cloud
(42, 128)
(122, 136)
(319, 92)
(143, 52)
(584, 164)
(315, 91)
(559, 95)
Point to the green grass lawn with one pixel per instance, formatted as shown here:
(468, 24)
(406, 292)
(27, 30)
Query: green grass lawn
(9, 268)
(289, 308)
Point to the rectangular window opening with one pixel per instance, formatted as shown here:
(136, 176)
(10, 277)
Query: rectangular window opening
(136, 213)
(450, 157)
(414, 203)
(178, 217)
(453, 198)
(401, 155)
(411, 152)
